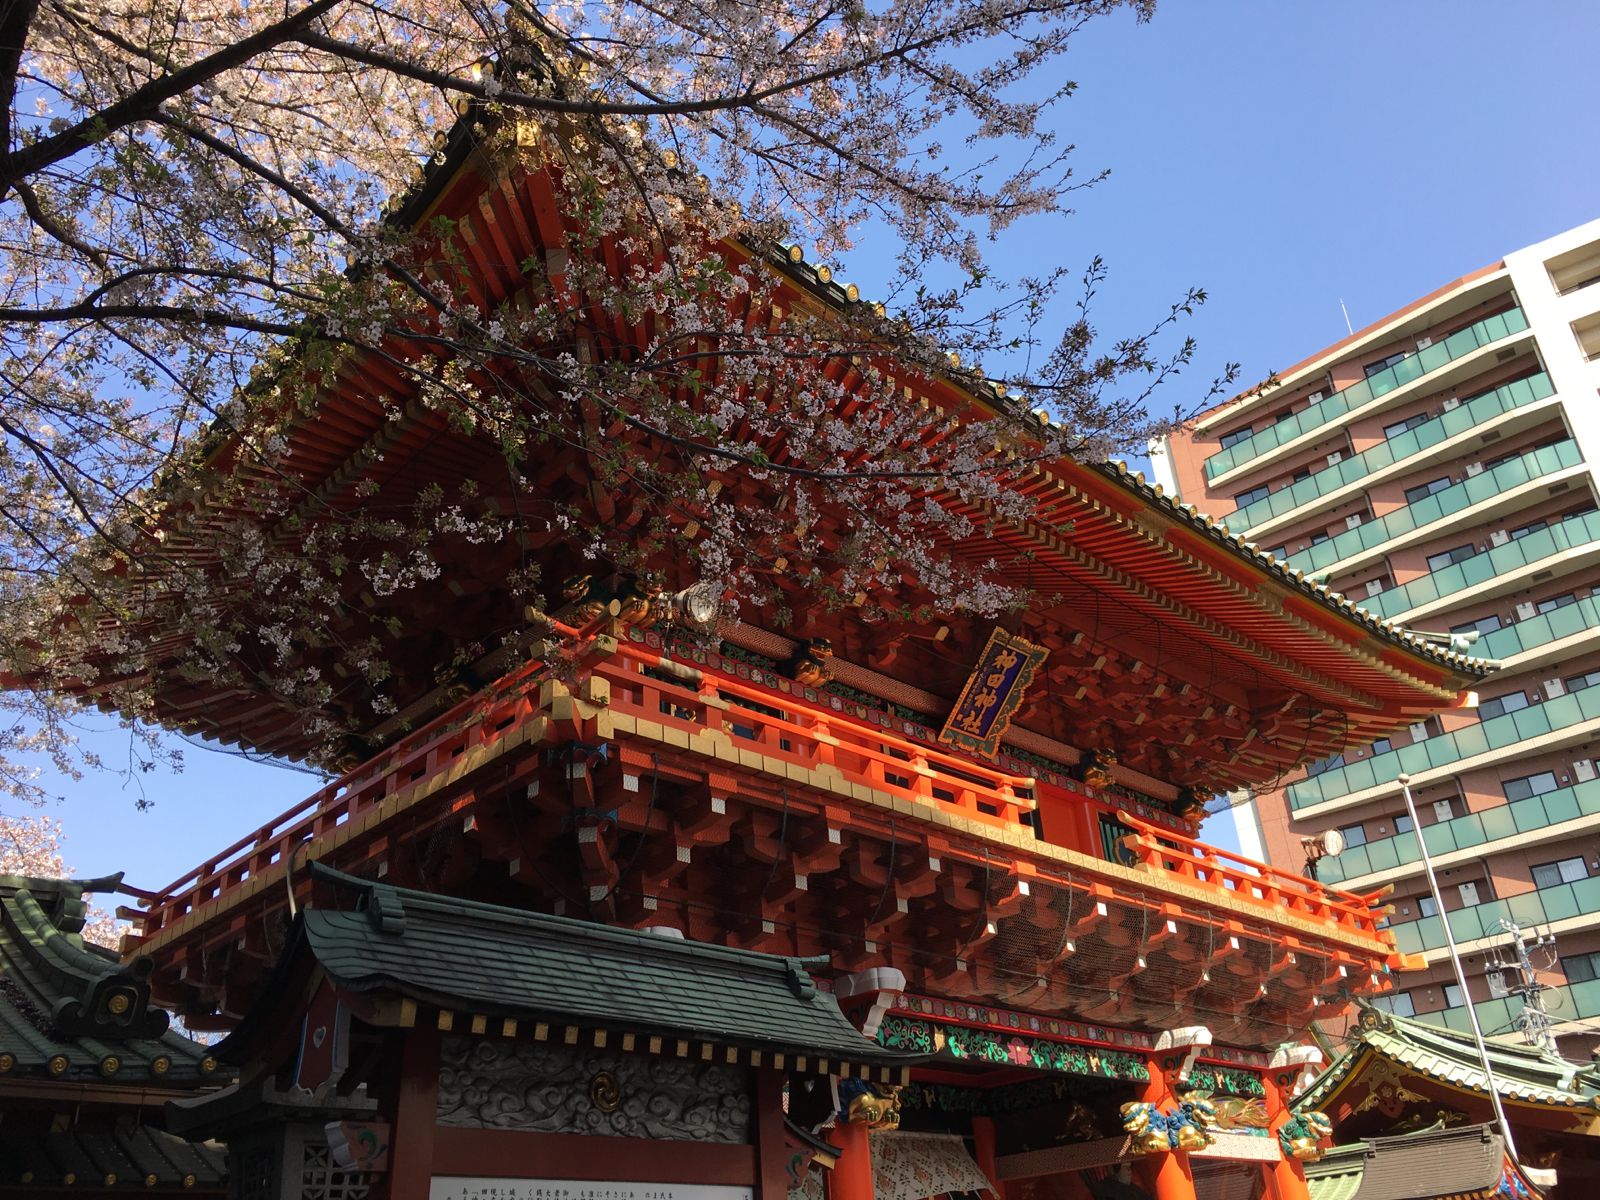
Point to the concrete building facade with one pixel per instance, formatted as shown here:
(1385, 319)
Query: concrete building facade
(1439, 468)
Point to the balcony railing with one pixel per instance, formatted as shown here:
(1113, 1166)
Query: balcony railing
(1570, 534)
(1497, 733)
(1539, 907)
(1459, 420)
(1567, 621)
(1465, 832)
(1358, 395)
(1569, 1003)
(1476, 489)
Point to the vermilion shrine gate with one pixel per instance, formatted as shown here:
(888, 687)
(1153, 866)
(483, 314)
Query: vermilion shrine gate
(1065, 981)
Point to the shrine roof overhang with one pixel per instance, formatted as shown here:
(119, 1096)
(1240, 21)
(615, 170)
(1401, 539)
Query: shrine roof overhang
(1463, 1163)
(136, 1160)
(1094, 524)
(1525, 1075)
(490, 961)
(71, 1014)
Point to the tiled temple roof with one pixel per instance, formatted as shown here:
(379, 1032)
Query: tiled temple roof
(70, 1010)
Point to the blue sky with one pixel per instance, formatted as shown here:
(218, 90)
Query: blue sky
(1282, 155)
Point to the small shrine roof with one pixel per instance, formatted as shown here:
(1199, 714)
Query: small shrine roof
(69, 1010)
(1464, 1162)
(464, 956)
(1524, 1073)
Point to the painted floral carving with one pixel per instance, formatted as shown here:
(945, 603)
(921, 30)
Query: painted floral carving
(986, 1045)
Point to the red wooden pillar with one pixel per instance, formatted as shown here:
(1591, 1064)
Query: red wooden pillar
(983, 1153)
(851, 1177)
(772, 1175)
(413, 1113)
(1286, 1179)
(1167, 1175)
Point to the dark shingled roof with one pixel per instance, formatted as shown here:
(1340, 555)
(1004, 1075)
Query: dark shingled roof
(468, 957)
(70, 1010)
(1467, 1161)
(127, 1156)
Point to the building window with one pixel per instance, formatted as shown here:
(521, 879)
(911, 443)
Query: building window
(1500, 705)
(1382, 746)
(1402, 823)
(1565, 870)
(1427, 906)
(1324, 764)
(1588, 679)
(1398, 1003)
(1354, 835)
(1529, 785)
(1383, 364)
(1234, 438)
(1443, 559)
(1522, 531)
(1423, 490)
(1482, 625)
(1580, 968)
(1555, 602)
(1452, 995)
(1254, 494)
(1399, 427)
(1279, 552)
(1299, 475)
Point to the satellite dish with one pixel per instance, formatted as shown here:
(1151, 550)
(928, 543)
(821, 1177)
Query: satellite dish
(1331, 842)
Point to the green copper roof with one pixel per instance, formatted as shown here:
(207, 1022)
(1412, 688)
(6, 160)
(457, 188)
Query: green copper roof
(70, 1010)
(1526, 1073)
(467, 957)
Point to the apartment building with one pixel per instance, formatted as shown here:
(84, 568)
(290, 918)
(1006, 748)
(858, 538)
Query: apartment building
(1439, 467)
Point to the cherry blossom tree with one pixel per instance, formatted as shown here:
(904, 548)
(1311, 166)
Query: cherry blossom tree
(197, 205)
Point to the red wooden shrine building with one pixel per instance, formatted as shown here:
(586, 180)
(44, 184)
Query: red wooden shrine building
(427, 961)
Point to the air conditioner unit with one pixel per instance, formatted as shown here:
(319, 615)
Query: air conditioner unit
(1419, 732)
(1499, 537)
(1554, 688)
(1314, 398)
(1451, 404)
(1526, 611)
(1374, 586)
(1441, 810)
(1335, 458)
(1352, 520)
(1583, 770)
(1474, 468)
(1424, 342)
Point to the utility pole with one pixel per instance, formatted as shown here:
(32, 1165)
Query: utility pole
(1533, 1020)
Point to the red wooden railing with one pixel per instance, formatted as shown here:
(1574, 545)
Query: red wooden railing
(647, 684)
(1256, 883)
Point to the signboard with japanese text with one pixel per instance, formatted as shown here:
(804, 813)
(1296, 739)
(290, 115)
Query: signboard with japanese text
(461, 1187)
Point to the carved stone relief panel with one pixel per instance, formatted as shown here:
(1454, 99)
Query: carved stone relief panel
(547, 1088)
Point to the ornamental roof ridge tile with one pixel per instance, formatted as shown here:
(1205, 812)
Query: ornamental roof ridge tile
(71, 1010)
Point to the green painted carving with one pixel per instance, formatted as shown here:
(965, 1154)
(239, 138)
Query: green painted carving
(1219, 1080)
(987, 1045)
